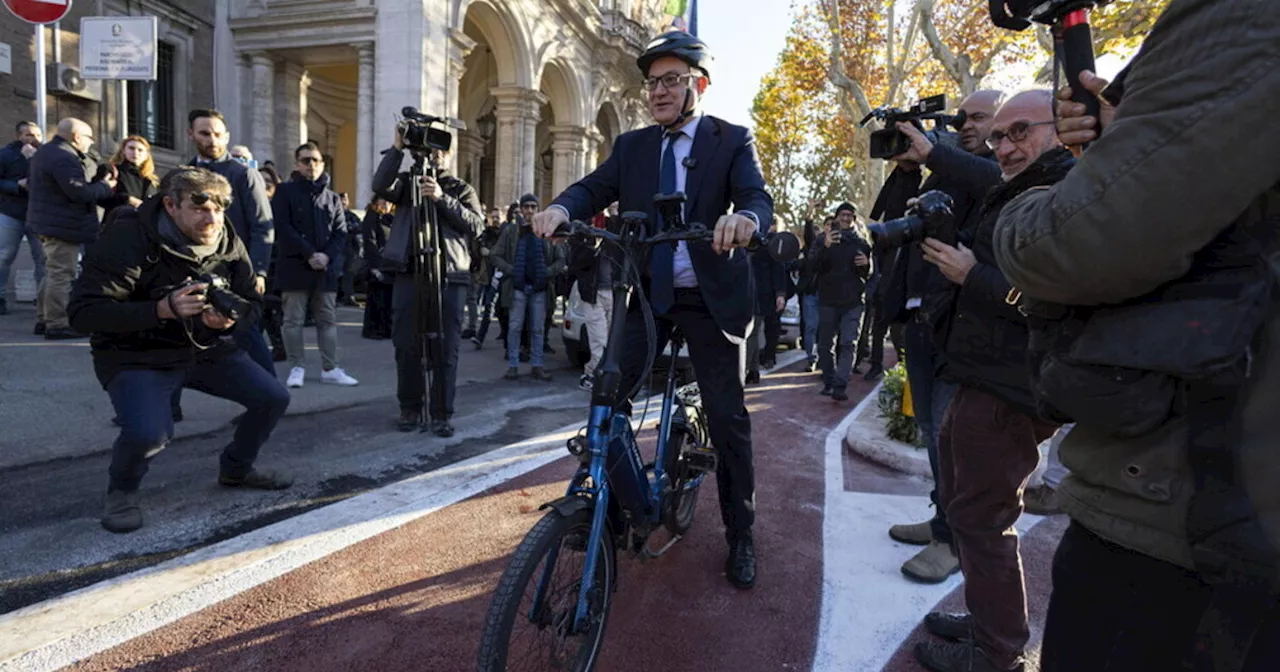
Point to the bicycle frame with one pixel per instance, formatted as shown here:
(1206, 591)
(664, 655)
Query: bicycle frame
(616, 469)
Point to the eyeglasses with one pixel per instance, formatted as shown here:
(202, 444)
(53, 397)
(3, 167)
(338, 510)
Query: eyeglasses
(201, 197)
(310, 160)
(1017, 133)
(668, 81)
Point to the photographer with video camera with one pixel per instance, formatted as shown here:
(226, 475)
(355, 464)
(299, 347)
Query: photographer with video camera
(911, 291)
(161, 293)
(458, 212)
(1149, 277)
(988, 446)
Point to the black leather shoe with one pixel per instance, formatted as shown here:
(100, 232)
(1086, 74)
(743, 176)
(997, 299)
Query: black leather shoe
(39, 330)
(258, 479)
(63, 334)
(4, 307)
(409, 421)
(826, 391)
(839, 395)
(955, 627)
(874, 373)
(740, 567)
(957, 657)
(753, 377)
(442, 429)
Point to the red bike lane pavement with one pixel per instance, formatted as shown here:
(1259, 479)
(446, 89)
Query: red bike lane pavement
(415, 597)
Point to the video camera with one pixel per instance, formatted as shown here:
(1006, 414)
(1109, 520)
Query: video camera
(1018, 14)
(423, 132)
(929, 217)
(890, 142)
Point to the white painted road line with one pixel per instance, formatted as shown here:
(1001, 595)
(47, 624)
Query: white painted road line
(58, 632)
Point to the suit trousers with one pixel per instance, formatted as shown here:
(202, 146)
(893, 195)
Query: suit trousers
(718, 365)
(986, 452)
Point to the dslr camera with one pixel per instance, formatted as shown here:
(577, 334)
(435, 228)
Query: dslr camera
(218, 295)
(929, 217)
(422, 132)
(890, 142)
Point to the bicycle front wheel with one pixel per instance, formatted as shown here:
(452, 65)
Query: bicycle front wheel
(529, 625)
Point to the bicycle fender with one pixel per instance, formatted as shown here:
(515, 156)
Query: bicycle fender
(568, 505)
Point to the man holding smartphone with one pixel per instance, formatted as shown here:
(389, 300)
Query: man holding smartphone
(843, 264)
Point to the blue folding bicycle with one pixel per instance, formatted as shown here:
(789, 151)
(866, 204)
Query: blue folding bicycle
(552, 603)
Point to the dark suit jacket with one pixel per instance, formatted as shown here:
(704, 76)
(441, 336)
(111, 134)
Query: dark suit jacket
(726, 172)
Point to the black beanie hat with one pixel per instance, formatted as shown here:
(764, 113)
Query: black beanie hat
(846, 206)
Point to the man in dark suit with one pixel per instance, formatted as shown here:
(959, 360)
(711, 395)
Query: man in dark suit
(705, 289)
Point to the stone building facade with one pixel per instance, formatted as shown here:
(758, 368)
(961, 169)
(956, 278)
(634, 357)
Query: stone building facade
(543, 86)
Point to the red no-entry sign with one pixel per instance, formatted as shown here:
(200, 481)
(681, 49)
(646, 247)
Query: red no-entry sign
(39, 11)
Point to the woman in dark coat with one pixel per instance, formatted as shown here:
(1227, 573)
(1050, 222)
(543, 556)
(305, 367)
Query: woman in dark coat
(136, 178)
(377, 309)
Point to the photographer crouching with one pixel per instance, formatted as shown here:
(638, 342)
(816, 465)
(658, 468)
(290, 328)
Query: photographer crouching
(161, 293)
(988, 446)
(460, 217)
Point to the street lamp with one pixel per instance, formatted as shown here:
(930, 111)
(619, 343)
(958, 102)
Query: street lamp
(487, 125)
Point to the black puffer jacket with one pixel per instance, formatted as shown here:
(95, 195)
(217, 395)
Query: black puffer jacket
(985, 336)
(458, 213)
(63, 195)
(126, 272)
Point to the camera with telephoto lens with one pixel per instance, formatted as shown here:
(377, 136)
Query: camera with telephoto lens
(218, 295)
(1018, 14)
(890, 142)
(423, 132)
(929, 217)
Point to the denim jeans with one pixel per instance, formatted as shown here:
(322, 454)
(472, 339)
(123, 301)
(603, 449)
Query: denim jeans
(809, 311)
(536, 308)
(837, 330)
(141, 399)
(929, 398)
(11, 233)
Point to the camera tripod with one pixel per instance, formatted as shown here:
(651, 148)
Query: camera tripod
(428, 277)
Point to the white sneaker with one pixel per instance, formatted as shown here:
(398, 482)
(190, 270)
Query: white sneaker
(296, 376)
(338, 377)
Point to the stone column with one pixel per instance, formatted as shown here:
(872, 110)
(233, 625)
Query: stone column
(261, 107)
(517, 112)
(569, 146)
(364, 125)
(469, 155)
(460, 45)
(291, 110)
(242, 126)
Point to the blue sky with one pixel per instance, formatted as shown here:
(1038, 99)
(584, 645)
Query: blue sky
(746, 38)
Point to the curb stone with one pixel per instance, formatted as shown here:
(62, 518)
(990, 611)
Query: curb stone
(866, 438)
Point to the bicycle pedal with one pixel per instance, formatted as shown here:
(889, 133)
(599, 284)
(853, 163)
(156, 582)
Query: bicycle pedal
(703, 461)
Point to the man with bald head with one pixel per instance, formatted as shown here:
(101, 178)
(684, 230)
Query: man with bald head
(903, 286)
(987, 449)
(64, 188)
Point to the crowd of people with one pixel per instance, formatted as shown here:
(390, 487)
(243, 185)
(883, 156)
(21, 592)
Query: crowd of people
(1008, 337)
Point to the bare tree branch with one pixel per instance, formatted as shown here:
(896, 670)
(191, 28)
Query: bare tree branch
(836, 72)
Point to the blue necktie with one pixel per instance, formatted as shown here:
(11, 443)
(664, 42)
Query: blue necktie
(662, 258)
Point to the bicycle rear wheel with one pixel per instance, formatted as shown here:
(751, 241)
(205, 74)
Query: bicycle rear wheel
(522, 635)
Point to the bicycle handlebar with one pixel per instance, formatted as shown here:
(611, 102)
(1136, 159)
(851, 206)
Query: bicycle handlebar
(782, 246)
